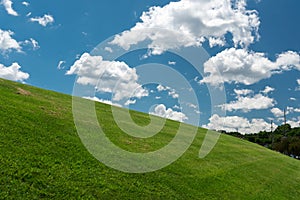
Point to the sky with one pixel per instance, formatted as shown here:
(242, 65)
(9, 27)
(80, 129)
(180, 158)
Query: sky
(229, 65)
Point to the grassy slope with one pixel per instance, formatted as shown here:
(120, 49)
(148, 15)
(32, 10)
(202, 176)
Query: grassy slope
(42, 156)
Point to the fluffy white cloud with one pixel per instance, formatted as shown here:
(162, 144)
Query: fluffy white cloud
(236, 123)
(32, 42)
(247, 67)
(268, 89)
(243, 92)
(294, 123)
(277, 112)
(44, 21)
(191, 22)
(246, 104)
(297, 110)
(13, 73)
(280, 113)
(8, 7)
(171, 92)
(292, 110)
(192, 105)
(108, 76)
(162, 111)
(298, 81)
(7, 42)
(102, 101)
(25, 3)
(172, 63)
(129, 102)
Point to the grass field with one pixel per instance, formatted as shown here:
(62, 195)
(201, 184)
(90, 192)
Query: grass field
(43, 157)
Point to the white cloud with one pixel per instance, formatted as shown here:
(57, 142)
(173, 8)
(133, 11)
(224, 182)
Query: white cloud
(191, 22)
(294, 123)
(298, 82)
(108, 76)
(277, 112)
(102, 101)
(171, 92)
(280, 113)
(293, 99)
(216, 41)
(246, 104)
(192, 105)
(297, 110)
(162, 111)
(7, 42)
(32, 42)
(25, 3)
(246, 67)
(292, 110)
(242, 92)
(177, 107)
(129, 102)
(61, 64)
(108, 49)
(8, 7)
(236, 123)
(172, 63)
(13, 73)
(268, 89)
(44, 21)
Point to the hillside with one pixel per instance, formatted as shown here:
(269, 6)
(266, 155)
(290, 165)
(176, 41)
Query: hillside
(42, 157)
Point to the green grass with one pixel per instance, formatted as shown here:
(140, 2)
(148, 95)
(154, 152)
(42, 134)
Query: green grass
(43, 157)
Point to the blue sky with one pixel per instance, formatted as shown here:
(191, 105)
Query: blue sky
(248, 49)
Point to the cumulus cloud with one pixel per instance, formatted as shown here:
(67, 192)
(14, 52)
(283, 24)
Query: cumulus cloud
(242, 92)
(102, 101)
(280, 113)
(7, 42)
(292, 110)
(294, 123)
(298, 82)
(25, 3)
(8, 7)
(236, 123)
(246, 67)
(277, 112)
(247, 104)
(162, 111)
(297, 110)
(191, 22)
(268, 89)
(13, 73)
(108, 76)
(172, 63)
(33, 43)
(44, 21)
(129, 102)
(171, 92)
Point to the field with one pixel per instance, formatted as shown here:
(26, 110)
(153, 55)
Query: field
(42, 156)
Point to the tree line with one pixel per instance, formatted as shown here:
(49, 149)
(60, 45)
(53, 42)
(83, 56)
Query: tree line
(284, 139)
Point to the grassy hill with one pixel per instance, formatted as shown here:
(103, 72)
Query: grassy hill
(42, 157)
